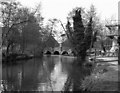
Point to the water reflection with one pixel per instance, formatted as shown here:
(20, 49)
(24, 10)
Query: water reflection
(52, 73)
(76, 74)
(58, 77)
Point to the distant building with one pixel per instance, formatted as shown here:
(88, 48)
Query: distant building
(51, 44)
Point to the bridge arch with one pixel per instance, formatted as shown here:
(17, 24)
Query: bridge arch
(65, 52)
(56, 53)
(48, 52)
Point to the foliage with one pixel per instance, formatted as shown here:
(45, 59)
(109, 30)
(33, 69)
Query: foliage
(80, 34)
(111, 29)
(20, 26)
(30, 32)
(97, 26)
(86, 24)
(9, 20)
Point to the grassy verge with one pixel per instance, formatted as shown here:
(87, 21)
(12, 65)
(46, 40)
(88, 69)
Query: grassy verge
(103, 78)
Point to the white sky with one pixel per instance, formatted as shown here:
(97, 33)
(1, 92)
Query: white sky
(106, 9)
(60, 8)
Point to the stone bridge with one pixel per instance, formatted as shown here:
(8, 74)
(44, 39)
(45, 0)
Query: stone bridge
(58, 51)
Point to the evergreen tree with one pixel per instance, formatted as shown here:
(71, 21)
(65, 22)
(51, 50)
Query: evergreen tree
(87, 41)
(79, 29)
(80, 37)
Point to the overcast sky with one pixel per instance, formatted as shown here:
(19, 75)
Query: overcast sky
(60, 8)
(106, 9)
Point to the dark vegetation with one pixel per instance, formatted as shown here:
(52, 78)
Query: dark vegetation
(79, 37)
(23, 33)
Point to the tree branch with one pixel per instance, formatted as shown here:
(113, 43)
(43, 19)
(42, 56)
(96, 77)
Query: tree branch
(14, 24)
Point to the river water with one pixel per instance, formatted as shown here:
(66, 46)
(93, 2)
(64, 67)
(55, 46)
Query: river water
(51, 73)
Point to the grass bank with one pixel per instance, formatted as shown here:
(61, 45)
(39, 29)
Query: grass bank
(103, 78)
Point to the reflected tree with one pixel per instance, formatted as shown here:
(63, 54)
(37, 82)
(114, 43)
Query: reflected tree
(76, 75)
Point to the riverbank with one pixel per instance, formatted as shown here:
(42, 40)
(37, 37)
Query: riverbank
(104, 77)
(12, 58)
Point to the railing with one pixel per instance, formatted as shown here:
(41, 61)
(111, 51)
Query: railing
(104, 54)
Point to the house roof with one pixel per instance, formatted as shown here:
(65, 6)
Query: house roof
(52, 42)
(66, 43)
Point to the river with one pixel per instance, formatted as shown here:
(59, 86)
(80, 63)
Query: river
(50, 73)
